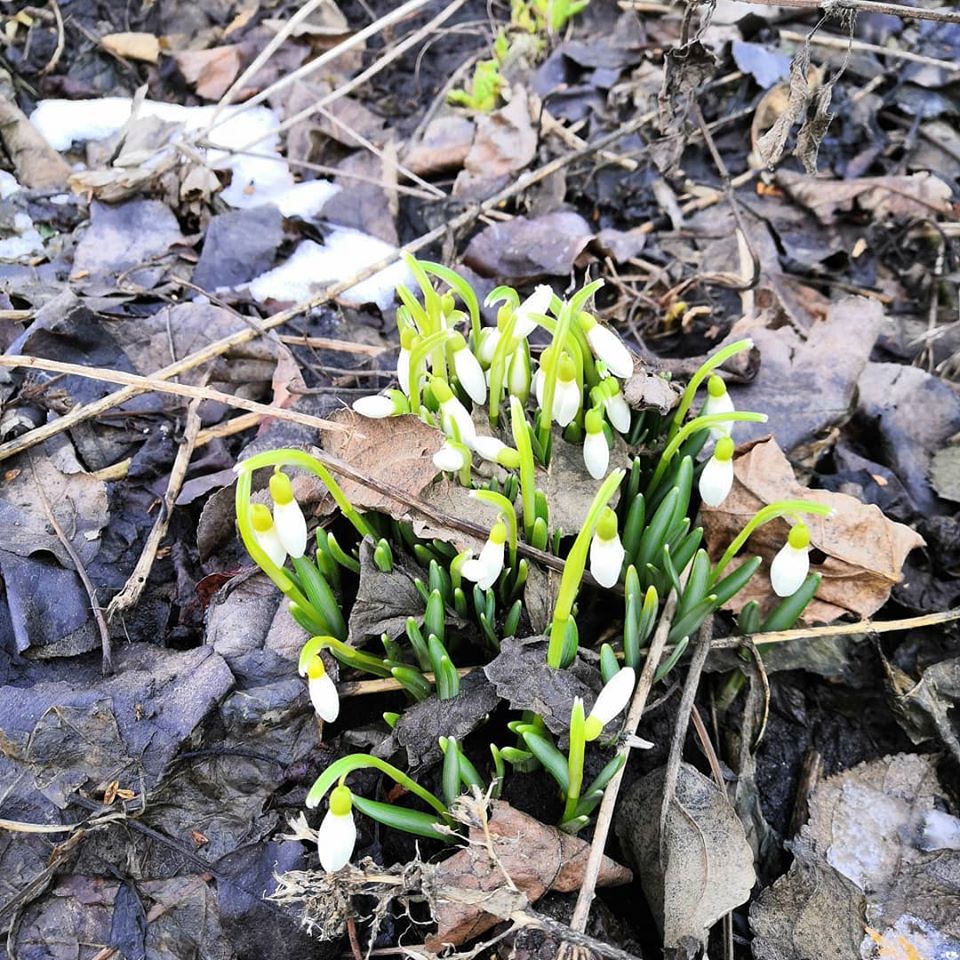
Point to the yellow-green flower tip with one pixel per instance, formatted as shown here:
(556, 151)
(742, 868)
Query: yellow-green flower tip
(281, 489)
(799, 537)
(724, 449)
(607, 524)
(716, 387)
(592, 728)
(593, 421)
(441, 389)
(341, 801)
(566, 369)
(498, 532)
(408, 337)
(260, 518)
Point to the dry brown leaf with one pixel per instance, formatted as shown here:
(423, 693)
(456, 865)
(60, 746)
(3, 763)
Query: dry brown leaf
(132, 46)
(916, 195)
(536, 858)
(397, 451)
(210, 72)
(864, 550)
(36, 163)
(444, 145)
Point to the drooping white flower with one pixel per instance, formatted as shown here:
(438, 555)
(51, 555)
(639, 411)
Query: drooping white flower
(615, 406)
(338, 833)
(716, 479)
(485, 569)
(518, 372)
(718, 401)
(496, 451)
(537, 302)
(596, 453)
(792, 564)
(266, 534)
(449, 458)
(612, 699)
(408, 337)
(287, 516)
(489, 338)
(606, 550)
(323, 691)
(454, 418)
(380, 405)
(566, 397)
(607, 346)
(469, 372)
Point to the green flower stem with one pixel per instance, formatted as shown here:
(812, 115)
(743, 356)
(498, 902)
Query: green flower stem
(299, 458)
(575, 756)
(281, 579)
(698, 423)
(465, 291)
(363, 761)
(345, 654)
(772, 511)
(506, 508)
(686, 401)
(574, 566)
(590, 376)
(498, 367)
(418, 356)
(528, 479)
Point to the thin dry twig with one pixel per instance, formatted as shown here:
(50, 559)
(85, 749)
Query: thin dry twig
(941, 14)
(137, 580)
(842, 43)
(106, 653)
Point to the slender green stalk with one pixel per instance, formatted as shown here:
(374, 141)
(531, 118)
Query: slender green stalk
(300, 458)
(418, 356)
(498, 367)
(698, 423)
(686, 401)
(528, 478)
(772, 511)
(575, 756)
(574, 566)
(342, 768)
(343, 652)
(466, 292)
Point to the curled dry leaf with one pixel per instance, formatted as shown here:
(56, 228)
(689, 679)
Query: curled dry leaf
(210, 72)
(132, 46)
(864, 551)
(511, 860)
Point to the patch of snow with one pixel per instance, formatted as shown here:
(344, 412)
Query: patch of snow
(256, 179)
(312, 267)
(8, 185)
(24, 243)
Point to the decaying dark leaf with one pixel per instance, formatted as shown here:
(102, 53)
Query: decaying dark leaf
(522, 248)
(875, 855)
(384, 600)
(239, 245)
(521, 676)
(945, 473)
(419, 730)
(645, 390)
(473, 887)
(800, 393)
(864, 550)
(707, 865)
(444, 145)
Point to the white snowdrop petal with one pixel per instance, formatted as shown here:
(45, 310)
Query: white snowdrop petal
(376, 407)
(607, 346)
(618, 413)
(324, 696)
(722, 404)
(615, 695)
(716, 481)
(606, 559)
(596, 455)
(453, 410)
(538, 386)
(270, 544)
(448, 458)
(566, 401)
(489, 339)
(403, 371)
(488, 447)
(470, 375)
(335, 841)
(537, 302)
(291, 527)
(788, 570)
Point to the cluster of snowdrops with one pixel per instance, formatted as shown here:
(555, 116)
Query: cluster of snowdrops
(501, 404)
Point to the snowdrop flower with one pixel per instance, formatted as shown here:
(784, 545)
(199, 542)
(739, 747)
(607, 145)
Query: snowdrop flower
(606, 550)
(518, 372)
(566, 397)
(496, 451)
(717, 476)
(338, 833)
(454, 418)
(468, 370)
(538, 302)
(450, 457)
(718, 401)
(607, 346)
(287, 516)
(596, 453)
(615, 406)
(323, 691)
(381, 405)
(265, 534)
(792, 564)
(408, 338)
(613, 698)
(485, 569)
(489, 338)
